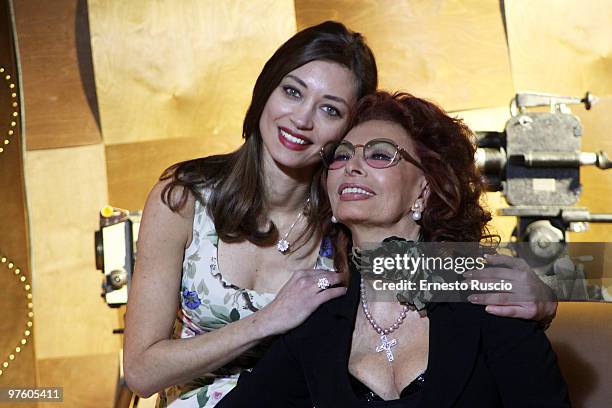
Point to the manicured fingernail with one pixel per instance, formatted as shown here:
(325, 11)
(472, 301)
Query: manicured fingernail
(472, 298)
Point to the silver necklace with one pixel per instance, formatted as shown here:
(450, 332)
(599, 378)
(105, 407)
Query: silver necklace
(283, 244)
(385, 343)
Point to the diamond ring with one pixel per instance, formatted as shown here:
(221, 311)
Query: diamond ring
(323, 283)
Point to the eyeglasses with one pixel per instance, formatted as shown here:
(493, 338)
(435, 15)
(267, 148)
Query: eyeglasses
(377, 153)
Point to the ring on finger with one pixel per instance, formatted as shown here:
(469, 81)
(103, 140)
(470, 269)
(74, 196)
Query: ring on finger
(323, 283)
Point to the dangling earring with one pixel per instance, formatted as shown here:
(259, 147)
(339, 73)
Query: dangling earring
(334, 219)
(416, 211)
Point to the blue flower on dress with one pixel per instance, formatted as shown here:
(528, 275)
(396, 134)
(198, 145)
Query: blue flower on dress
(191, 299)
(326, 250)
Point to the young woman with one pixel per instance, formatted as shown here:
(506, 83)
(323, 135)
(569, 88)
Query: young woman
(230, 241)
(221, 235)
(404, 171)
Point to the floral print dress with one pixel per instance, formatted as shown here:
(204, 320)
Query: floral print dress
(208, 303)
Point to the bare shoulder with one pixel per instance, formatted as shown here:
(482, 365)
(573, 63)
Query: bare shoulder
(158, 218)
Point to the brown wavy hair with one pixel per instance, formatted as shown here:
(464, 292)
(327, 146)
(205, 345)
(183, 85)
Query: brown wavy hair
(237, 202)
(445, 148)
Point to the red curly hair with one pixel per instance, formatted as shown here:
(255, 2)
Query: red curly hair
(445, 148)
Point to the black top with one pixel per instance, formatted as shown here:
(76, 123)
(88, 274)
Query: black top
(475, 360)
(410, 394)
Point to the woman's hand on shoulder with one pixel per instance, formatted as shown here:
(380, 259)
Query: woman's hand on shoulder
(530, 298)
(299, 298)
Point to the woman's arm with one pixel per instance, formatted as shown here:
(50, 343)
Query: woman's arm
(153, 361)
(523, 364)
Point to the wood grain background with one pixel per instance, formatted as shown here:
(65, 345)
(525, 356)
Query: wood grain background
(15, 271)
(453, 52)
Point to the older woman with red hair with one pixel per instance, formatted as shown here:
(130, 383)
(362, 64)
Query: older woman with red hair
(404, 171)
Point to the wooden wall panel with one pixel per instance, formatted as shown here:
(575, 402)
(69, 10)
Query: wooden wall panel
(88, 381)
(581, 336)
(133, 168)
(561, 46)
(487, 119)
(17, 354)
(169, 69)
(453, 52)
(59, 90)
(66, 189)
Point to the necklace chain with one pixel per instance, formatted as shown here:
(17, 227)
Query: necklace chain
(380, 330)
(283, 244)
(385, 344)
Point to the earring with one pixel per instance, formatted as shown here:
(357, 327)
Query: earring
(334, 219)
(416, 211)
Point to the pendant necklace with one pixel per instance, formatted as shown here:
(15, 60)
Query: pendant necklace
(385, 343)
(283, 244)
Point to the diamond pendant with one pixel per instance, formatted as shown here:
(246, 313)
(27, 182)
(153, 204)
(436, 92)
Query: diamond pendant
(385, 345)
(282, 245)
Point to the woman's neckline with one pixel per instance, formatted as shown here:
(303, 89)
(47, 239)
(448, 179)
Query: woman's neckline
(226, 283)
(354, 292)
(229, 284)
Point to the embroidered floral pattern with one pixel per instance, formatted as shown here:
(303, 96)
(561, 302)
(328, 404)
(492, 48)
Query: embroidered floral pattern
(191, 299)
(326, 249)
(208, 302)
